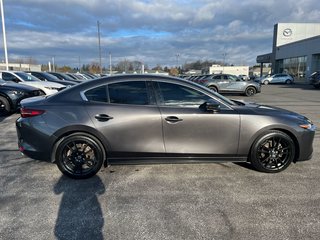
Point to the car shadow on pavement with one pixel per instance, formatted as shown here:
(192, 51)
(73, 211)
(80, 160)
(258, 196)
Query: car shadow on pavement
(80, 215)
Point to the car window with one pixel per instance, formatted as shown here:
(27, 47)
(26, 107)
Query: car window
(178, 95)
(233, 78)
(27, 77)
(8, 76)
(129, 93)
(98, 94)
(216, 77)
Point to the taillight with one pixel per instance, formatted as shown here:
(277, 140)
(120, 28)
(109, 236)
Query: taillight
(26, 112)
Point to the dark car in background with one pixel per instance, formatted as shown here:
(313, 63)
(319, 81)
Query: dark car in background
(227, 83)
(12, 93)
(151, 119)
(314, 79)
(63, 76)
(44, 76)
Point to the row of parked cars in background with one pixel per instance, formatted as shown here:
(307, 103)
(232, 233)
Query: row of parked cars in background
(18, 85)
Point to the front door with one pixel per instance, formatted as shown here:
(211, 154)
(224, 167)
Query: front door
(188, 129)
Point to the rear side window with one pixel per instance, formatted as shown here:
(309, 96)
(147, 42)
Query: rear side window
(98, 94)
(129, 93)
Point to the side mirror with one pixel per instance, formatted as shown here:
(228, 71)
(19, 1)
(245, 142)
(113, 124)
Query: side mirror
(210, 106)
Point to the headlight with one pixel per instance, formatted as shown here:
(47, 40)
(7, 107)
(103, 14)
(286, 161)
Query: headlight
(52, 88)
(16, 92)
(307, 125)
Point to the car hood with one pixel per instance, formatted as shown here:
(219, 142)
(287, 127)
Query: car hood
(40, 84)
(261, 109)
(16, 86)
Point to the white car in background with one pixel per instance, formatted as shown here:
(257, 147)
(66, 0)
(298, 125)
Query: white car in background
(278, 78)
(27, 79)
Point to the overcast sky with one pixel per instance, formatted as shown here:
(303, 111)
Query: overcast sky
(152, 31)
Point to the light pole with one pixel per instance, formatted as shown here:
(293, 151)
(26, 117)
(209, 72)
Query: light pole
(98, 23)
(224, 60)
(110, 64)
(4, 37)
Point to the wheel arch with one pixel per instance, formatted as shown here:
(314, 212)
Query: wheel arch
(213, 85)
(286, 131)
(85, 130)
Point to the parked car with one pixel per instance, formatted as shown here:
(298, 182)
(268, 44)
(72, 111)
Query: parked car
(314, 79)
(44, 76)
(278, 78)
(151, 119)
(227, 83)
(12, 93)
(63, 76)
(27, 79)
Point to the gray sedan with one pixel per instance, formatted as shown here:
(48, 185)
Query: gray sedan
(152, 119)
(227, 83)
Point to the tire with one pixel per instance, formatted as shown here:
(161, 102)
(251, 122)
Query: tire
(316, 86)
(79, 155)
(266, 82)
(5, 107)
(250, 91)
(213, 88)
(288, 81)
(272, 152)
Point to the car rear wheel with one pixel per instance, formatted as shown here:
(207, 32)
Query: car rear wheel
(317, 86)
(79, 155)
(250, 91)
(213, 88)
(5, 107)
(288, 81)
(272, 152)
(266, 82)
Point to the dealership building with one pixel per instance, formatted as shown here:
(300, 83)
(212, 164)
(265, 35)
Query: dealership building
(295, 50)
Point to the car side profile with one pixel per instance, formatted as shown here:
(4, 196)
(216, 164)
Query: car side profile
(27, 79)
(157, 119)
(277, 78)
(12, 93)
(228, 83)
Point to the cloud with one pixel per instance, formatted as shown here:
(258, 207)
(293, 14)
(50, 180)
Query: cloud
(152, 30)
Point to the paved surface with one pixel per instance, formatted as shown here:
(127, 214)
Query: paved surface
(199, 201)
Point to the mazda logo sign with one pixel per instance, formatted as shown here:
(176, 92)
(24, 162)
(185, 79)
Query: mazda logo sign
(287, 32)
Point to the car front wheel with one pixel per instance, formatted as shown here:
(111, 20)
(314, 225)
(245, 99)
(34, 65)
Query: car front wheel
(266, 82)
(250, 91)
(79, 155)
(4, 106)
(272, 152)
(288, 81)
(213, 88)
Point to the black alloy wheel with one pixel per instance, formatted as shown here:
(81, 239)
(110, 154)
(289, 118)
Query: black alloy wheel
(250, 91)
(273, 152)
(5, 107)
(79, 155)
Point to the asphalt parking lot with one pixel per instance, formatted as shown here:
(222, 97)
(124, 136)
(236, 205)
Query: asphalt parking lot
(187, 201)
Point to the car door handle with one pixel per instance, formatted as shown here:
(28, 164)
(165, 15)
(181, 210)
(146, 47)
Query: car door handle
(173, 119)
(103, 117)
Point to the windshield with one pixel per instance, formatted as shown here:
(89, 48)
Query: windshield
(50, 77)
(27, 77)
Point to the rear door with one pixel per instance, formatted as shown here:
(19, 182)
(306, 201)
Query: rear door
(128, 117)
